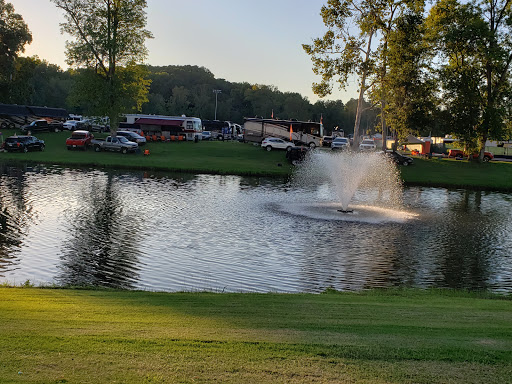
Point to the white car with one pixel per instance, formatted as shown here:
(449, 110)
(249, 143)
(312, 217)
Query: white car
(340, 143)
(271, 143)
(71, 125)
(367, 145)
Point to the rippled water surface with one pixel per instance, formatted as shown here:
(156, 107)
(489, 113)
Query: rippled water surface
(236, 234)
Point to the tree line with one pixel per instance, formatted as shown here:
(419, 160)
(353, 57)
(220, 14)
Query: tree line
(177, 90)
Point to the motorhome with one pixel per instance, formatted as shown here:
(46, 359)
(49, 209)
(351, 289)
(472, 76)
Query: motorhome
(222, 129)
(189, 127)
(299, 132)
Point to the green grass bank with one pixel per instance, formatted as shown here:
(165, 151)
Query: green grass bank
(236, 158)
(392, 336)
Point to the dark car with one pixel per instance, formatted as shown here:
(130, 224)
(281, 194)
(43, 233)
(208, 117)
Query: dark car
(297, 154)
(23, 144)
(133, 136)
(399, 158)
(326, 141)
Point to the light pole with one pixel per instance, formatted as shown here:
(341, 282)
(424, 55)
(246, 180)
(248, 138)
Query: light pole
(216, 91)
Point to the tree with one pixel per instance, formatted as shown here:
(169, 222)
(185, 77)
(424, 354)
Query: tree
(109, 42)
(474, 41)
(410, 90)
(356, 43)
(340, 53)
(14, 35)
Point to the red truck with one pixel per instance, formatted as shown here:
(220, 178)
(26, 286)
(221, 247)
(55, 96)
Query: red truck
(459, 154)
(79, 139)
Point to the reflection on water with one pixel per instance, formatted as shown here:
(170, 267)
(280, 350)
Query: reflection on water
(228, 233)
(102, 238)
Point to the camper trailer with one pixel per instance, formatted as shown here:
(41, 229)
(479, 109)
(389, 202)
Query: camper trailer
(299, 132)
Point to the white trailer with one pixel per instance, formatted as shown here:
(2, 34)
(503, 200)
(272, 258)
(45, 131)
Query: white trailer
(189, 127)
(299, 132)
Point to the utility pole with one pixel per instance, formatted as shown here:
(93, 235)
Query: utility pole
(216, 91)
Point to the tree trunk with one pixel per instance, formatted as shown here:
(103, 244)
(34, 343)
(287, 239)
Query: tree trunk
(362, 90)
(383, 125)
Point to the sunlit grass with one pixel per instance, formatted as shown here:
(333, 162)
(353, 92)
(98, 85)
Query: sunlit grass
(132, 337)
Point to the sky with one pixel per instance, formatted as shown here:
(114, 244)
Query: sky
(255, 41)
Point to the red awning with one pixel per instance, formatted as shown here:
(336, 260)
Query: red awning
(170, 123)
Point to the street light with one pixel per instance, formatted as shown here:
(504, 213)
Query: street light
(216, 91)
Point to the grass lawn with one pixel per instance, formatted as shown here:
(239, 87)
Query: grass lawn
(403, 336)
(459, 173)
(217, 157)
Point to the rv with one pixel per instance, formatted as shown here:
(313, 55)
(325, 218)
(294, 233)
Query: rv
(189, 127)
(222, 129)
(299, 132)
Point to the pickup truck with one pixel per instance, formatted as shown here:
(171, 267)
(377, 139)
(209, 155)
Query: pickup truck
(114, 143)
(459, 154)
(79, 139)
(42, 126)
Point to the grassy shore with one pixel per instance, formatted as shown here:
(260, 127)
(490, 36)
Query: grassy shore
(214, 157)
(403, 336)
(236, 158)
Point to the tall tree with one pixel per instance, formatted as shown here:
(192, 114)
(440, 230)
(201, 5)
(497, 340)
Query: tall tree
(341, 53)
(356, 43)
(474, 41)
(410, 88)
(108, 35)
(14, 35)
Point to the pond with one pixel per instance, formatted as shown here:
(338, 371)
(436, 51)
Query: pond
(163, 232)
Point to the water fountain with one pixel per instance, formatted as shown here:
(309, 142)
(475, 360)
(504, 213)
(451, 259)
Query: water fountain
(351, 186)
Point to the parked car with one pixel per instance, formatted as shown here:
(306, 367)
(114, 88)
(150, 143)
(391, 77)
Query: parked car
(42, 126)
(275, 143)
(326, 141)
(206, 135)
(297, 154)
(23, 144)
(133, 136)
(367, 145)
(79, 139)
(400, 159)
(459, 154)
(95, 124)
(111, 143)
(71, 125)
(340, 143)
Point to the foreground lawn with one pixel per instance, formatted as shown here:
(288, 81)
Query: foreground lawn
(58, 336)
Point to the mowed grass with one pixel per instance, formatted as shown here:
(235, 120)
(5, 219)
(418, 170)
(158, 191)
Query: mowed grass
(459, 173)
(216, 157)
(235, 158)
(404, 336)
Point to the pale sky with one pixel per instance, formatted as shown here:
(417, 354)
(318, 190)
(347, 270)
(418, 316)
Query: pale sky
(257, 41)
